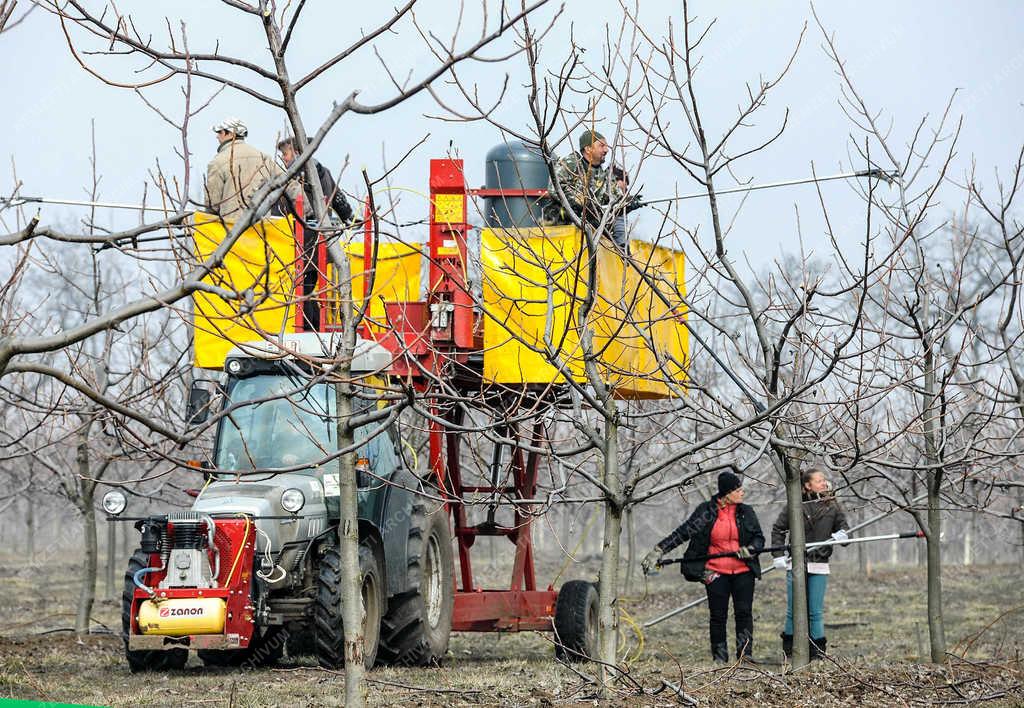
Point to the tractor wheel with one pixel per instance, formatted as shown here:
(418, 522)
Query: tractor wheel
(329, 631)
(416, 630)
(146, 659)
(265, 649)
(576, 621)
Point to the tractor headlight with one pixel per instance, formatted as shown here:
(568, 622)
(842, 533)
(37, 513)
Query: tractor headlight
(234, 366)
(114, 502)
(292, 500)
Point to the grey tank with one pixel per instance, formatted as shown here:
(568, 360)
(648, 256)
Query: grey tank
(515, 165)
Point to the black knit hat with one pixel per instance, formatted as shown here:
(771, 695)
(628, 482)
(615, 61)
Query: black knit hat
(728, 482)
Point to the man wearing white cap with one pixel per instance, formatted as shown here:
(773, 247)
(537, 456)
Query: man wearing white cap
(237, 171)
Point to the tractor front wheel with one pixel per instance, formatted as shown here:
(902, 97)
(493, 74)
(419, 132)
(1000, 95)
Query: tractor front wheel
(329, 630)
(416, 630)
(144, 660)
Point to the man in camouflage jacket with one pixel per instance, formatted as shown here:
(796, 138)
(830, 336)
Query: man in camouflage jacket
(589, 187)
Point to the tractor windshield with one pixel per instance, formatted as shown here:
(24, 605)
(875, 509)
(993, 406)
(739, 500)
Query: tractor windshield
(281, 421)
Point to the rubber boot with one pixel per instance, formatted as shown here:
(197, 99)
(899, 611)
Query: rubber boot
(787, 645)
(819, 647)
(744, 645)
(720, 653)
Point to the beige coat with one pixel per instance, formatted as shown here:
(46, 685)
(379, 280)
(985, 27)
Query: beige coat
(235, 174)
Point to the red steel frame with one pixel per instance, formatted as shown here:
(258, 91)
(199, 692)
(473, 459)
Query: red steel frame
(438, 336)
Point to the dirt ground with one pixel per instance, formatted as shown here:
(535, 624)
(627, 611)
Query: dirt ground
(876, 630)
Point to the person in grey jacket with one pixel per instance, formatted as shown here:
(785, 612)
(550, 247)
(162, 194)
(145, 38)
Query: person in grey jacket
(823, 520)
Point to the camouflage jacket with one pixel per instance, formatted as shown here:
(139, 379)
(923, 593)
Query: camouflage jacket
(589, 188)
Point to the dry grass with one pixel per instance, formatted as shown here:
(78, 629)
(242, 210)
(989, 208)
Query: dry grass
(876, 631)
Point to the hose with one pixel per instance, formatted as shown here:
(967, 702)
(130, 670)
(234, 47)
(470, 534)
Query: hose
(137, 579)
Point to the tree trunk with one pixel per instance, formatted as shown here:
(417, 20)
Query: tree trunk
(936, 626)
(795, 515)
(111, 558)
(87, 592)
(969, 540)
(862, 551)
(352, 611)
(608, 610)
(30, 531)
(630, 550)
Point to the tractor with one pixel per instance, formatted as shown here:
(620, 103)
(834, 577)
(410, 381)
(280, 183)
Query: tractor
(251, 570)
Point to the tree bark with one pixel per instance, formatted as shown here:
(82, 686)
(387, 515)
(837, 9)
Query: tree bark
(30, 530)
(352, 611)
(111, 558)
(87, 592)
(795, 516)
(608, 610)
(936, 625)
(630, 550)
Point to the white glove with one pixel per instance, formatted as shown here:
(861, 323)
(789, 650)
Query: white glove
(841, 536)
(781, 563)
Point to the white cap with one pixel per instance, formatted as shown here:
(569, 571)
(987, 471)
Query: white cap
(234, 125)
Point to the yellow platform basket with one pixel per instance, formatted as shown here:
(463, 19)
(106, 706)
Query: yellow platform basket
(261, 263)
(538, 305)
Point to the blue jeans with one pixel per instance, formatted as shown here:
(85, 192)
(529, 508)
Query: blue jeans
(816, 586)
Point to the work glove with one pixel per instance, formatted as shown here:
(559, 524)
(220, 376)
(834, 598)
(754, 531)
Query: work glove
(650, 561)
(637, 202)
(744, 553)
(781, 563)
(841, 536)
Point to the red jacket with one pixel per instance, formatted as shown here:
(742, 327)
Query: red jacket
(725, 538)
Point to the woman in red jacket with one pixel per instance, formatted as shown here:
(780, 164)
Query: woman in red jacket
(722, 525)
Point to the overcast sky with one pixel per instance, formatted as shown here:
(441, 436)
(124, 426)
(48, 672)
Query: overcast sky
(907, 59)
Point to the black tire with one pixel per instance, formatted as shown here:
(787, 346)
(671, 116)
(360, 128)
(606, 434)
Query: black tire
(576, 621)
(265, 649)
(146, 659)
(418, 625)
(328, 627)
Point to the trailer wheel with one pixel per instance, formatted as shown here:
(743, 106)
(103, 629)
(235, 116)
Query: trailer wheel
(146, 659)
(265, 648)
(576, 621)
(329, 631)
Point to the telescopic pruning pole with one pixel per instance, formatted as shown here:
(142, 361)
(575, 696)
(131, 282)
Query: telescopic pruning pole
(888, 177)
(816, 544)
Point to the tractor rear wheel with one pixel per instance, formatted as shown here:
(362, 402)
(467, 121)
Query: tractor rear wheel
(416, 630)
(576, 621)
(146, 659)
(329, 630)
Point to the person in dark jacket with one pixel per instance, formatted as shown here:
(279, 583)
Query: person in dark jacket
(823, 520)
(723, 525)
(335, 200)
(335, 197)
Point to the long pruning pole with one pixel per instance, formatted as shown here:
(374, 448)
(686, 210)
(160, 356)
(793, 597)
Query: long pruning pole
(693, 603)
(816, 544)
(22, 201)
(876, 173)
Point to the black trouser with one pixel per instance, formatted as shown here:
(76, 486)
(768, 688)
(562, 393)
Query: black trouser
(741, 588)
(310, 274)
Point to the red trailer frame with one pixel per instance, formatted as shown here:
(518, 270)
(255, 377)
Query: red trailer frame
(442, 335)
